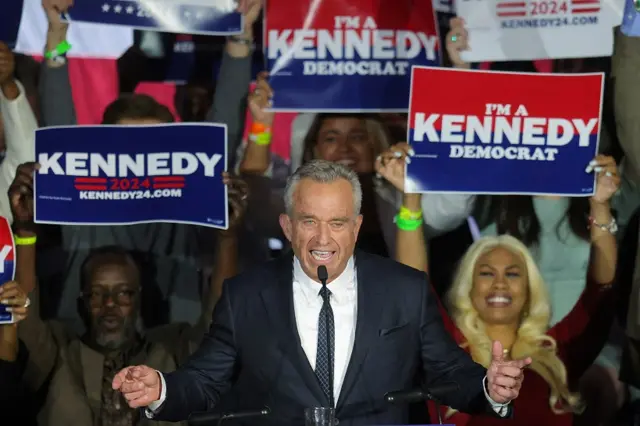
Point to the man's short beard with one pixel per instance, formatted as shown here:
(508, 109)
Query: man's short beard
(113, 341)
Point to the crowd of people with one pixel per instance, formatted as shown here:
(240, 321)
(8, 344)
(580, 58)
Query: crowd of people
(550, 278)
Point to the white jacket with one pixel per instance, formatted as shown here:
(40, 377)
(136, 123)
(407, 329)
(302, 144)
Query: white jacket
(20, 125)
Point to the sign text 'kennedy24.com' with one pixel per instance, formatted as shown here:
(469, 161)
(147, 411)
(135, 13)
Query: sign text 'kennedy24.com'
(110, 175)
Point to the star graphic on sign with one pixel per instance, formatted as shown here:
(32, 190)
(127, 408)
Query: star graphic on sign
(200, 15)
(187, 14)
(117, 8)
(105, 7)
(130, 9)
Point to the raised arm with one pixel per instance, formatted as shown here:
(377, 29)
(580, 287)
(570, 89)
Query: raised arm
(230, 99)
(33, 331)
(583, 332)
(225, 264)
(20, 125)
(56, 99)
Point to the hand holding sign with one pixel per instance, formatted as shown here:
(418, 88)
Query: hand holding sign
(7, 64)
(238, 194)
(390, 164)
(260, 101)
(504, 378)
(457, 41)
(251, 10)
(21, 197)
(15, 299)
(54, 8)
(608, 179)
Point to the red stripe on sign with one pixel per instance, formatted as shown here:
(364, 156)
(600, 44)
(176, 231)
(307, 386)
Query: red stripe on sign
(590, 10)
(511, 14)
(585, 1)
(511, 4)
(168, 179)
(91, 187)
(90, 180)
(167, 185)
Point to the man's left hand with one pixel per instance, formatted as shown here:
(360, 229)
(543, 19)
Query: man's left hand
(504, 378)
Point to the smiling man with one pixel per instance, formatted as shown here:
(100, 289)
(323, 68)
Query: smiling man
(282, 340)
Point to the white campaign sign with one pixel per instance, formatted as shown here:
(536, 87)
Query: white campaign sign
(502, 30)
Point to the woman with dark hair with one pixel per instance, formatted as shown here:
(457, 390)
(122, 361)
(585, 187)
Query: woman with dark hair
(355, 140)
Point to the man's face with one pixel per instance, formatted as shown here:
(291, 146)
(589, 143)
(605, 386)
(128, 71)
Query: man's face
(323, 227)
(113, 300)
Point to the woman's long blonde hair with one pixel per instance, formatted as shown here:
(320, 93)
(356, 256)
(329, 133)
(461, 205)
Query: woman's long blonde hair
(531, 340)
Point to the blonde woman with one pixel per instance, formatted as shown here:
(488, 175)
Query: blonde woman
(499, 294)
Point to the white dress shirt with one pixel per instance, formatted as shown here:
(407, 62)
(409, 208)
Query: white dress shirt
(307, 303)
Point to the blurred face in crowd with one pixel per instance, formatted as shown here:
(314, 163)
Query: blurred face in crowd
(345, 140)
(323, 226)
(196, 105)
(500, 287)
(138, 121)
(113, 301)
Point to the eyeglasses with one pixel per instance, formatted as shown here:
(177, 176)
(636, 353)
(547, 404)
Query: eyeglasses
(120, 296)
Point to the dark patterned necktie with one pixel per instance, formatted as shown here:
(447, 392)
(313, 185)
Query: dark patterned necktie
(326, 341)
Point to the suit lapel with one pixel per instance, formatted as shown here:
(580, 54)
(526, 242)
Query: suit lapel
(371, 299)
(277, 297)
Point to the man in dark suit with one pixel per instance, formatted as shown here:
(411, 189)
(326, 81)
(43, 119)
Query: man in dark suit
(273, 324)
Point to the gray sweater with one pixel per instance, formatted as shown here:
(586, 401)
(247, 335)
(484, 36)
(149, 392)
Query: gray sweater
(173, 251)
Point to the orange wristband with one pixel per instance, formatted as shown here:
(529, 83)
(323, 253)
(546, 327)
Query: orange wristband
(257, 128)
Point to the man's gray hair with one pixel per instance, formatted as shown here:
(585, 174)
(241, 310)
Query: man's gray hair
(323, 171)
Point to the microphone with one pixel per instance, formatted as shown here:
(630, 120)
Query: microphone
(323, 276)
(434, 394)
(198, 419)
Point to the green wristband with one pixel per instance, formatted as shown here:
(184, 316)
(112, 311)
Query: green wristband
(408, 224)
(60, 50)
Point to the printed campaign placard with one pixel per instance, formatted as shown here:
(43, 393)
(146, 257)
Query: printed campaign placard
(337, 56)
(530, 137)
(501, 30)
(121, 175)
(209, 17)
(7, 264)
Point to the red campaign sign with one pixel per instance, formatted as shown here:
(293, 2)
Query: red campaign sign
(7, 263)
(503, 133)
(534, 96)
(332, 14)
(320, 51)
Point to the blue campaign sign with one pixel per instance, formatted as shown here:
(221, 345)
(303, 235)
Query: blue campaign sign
(10, 22)
(7, 263)
(531, 137)
(121, 175)
(347, 56)
(208, 17)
